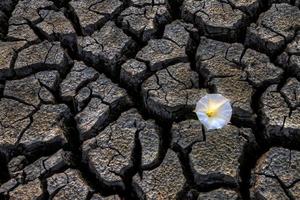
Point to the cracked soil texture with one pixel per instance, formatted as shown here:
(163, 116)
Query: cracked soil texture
(97, 99)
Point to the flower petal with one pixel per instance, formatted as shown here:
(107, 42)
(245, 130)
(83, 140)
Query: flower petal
(204, 119)
(225, 112)
(202, 104)
(216, 100)
(216, 123)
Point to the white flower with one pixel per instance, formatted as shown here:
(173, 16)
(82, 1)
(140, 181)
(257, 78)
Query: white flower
(214, 111)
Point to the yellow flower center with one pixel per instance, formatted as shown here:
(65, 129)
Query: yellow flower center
(211, 112)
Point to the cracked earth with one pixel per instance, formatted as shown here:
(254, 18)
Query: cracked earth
(97, 99)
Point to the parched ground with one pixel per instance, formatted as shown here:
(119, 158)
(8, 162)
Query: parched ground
(97, 99)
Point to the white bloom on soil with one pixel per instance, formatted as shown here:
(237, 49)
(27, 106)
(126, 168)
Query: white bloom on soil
(214, 111)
